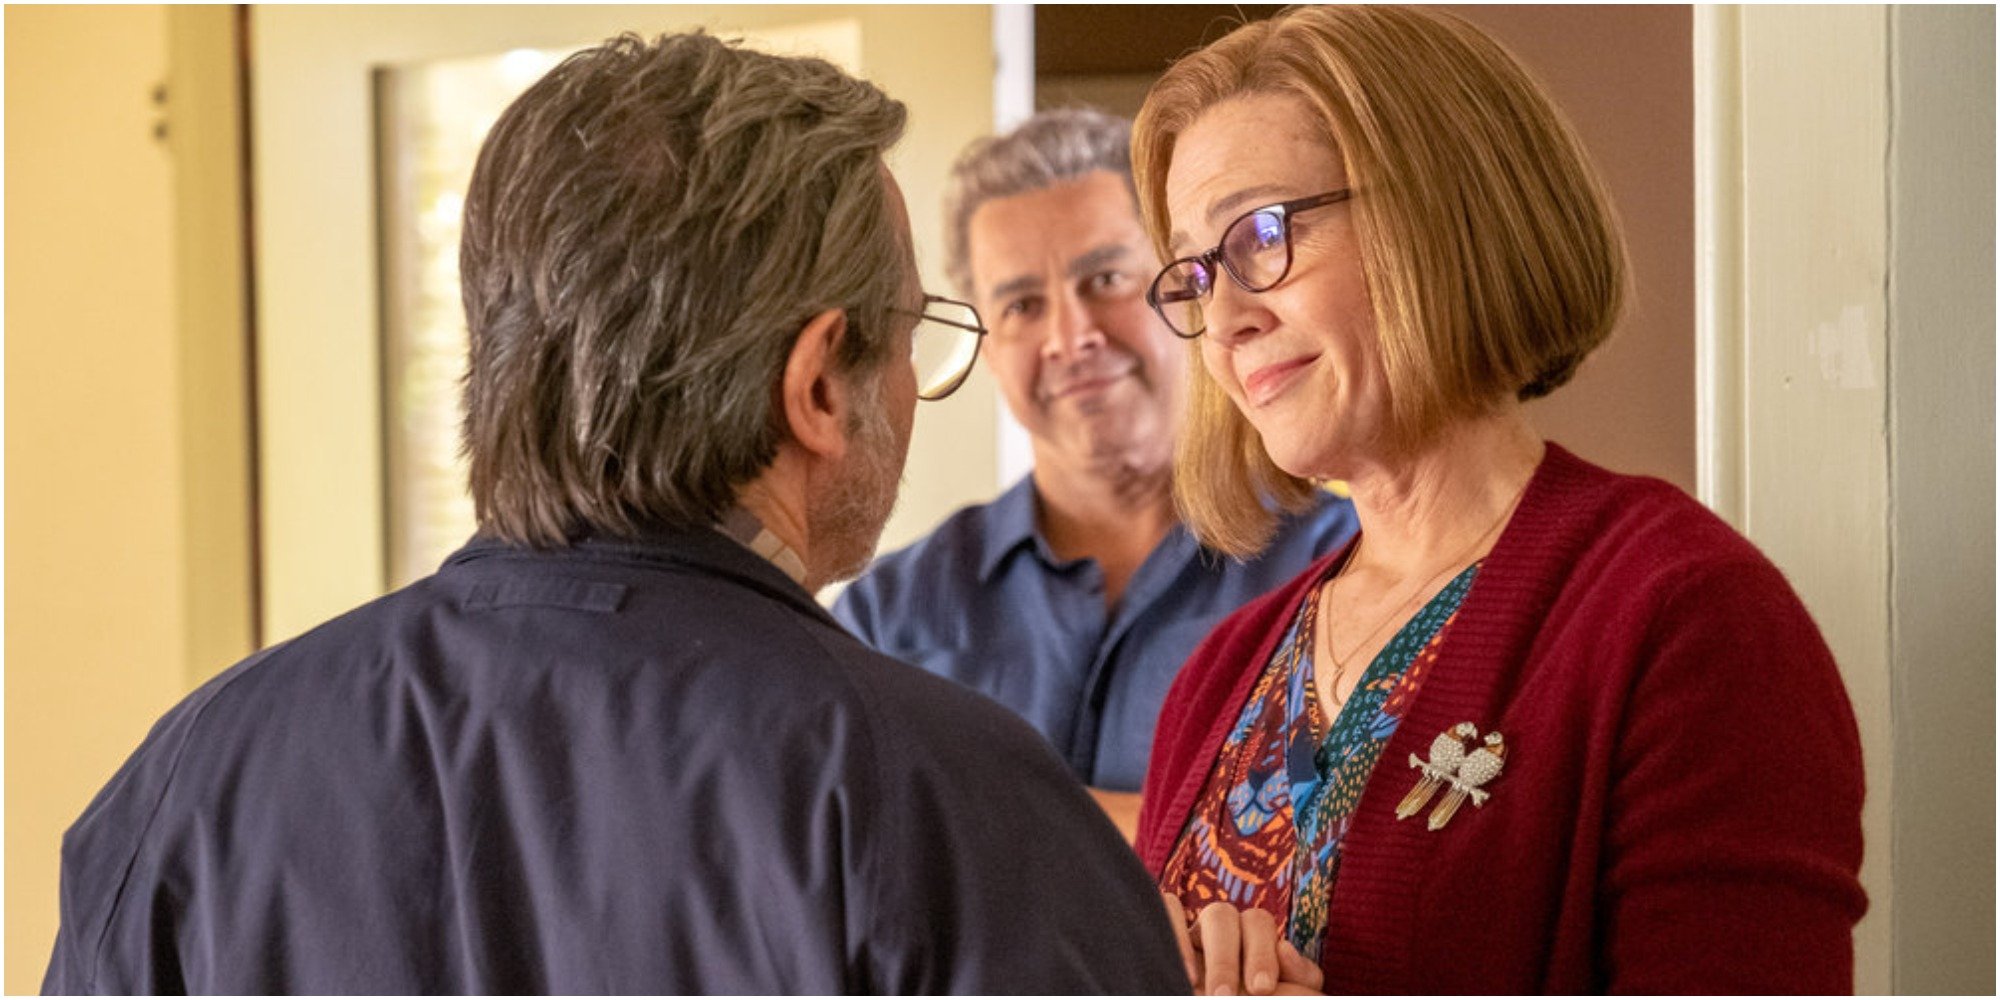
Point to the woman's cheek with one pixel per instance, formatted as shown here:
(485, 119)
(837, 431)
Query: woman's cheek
(1216, 360)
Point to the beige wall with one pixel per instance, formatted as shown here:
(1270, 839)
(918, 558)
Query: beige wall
(96, 606)
(1625, 77)
(1941, 344)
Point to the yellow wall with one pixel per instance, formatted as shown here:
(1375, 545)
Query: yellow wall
(126, 551)
(93, 605)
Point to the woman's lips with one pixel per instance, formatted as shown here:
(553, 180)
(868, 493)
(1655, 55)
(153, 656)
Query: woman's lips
(1269, 382)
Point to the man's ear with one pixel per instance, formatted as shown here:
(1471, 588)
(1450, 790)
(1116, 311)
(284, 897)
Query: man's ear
(815, 402)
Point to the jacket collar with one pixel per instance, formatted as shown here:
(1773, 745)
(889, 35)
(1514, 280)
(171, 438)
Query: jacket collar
(701, 550)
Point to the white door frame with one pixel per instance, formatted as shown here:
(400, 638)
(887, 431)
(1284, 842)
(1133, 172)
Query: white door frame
(1792, 136)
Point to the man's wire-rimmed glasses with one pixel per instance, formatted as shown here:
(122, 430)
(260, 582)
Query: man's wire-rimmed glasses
(1256, 251)
(944, 345)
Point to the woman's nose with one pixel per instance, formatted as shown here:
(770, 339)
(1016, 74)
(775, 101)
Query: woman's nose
(1232, 315)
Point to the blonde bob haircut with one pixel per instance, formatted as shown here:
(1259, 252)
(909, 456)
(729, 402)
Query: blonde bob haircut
(1489, 245)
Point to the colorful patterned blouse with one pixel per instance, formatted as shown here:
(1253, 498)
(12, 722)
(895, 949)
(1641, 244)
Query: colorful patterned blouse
(1267, 829)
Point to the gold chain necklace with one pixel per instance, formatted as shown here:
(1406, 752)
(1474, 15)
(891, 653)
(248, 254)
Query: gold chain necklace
(1340, 663)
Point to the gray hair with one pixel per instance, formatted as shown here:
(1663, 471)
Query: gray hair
(1046, 150)
(647, 230)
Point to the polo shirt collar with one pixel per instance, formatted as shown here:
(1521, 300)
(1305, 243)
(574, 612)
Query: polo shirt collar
(1010, 527)
(1010, 524)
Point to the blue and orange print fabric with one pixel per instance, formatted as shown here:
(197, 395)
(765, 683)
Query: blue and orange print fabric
(1268, 827)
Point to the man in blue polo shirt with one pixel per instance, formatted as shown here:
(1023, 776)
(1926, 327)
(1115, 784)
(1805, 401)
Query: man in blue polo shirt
(1075, 596)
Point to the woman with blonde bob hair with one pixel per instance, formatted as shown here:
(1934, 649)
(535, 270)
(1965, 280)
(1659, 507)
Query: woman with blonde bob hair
(1540, 727)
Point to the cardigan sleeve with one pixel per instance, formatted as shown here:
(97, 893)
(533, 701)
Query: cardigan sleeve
(1735, 829)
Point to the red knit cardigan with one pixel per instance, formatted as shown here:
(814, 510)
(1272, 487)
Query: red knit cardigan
(1680, 809)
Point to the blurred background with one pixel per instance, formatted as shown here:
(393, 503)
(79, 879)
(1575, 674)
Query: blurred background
(233, 340)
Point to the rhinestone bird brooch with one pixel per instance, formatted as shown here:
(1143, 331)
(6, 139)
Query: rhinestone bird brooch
(1460, 761)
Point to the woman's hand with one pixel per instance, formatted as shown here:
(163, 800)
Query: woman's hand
(1235, 952)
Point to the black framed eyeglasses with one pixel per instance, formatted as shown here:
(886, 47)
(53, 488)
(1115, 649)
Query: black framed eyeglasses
(944, 345)
(1256, 251)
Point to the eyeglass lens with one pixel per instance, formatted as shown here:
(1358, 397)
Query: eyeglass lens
(1254, 250)
(942, 347)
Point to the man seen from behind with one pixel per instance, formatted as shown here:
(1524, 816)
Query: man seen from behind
(613, 745)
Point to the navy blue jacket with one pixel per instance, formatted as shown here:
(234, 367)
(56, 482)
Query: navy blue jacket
(626, 767)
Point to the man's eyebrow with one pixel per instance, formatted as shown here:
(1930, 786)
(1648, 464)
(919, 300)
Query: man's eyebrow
(1096, 259)
(1015, 286)
(1090, 262)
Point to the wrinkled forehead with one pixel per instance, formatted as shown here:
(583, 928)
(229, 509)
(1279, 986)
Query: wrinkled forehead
(1243, 153)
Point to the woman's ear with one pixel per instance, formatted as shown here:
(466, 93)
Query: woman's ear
(815, 402)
